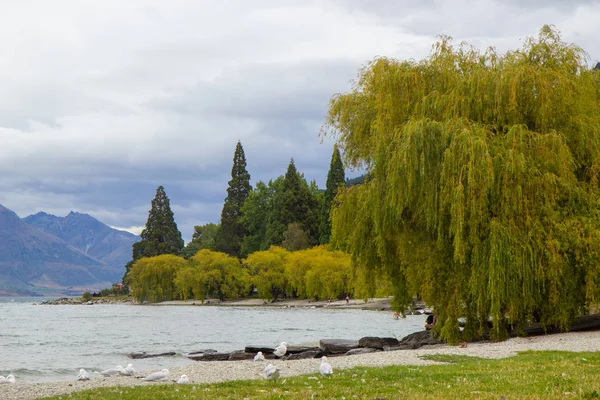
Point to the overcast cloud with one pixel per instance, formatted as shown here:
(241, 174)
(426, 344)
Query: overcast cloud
(102, 101)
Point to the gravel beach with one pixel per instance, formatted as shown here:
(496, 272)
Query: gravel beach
(235, 370)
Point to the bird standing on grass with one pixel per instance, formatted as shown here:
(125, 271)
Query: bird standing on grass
(271, 372)
(183, 380)
(325, 369)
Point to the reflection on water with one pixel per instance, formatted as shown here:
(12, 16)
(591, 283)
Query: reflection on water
(44, 343)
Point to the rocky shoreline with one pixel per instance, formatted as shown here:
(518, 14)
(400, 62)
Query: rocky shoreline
(204, 372)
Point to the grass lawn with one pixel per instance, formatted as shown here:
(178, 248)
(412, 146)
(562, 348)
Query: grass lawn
(530, 375)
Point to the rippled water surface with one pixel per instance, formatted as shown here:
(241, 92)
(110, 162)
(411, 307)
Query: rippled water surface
(50, 343)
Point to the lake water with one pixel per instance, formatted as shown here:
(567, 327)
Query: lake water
(51, 343)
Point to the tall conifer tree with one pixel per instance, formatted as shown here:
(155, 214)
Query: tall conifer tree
(335, 179)
(231, 234)
(161, 235)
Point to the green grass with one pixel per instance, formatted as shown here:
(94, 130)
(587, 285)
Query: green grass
(530, 375)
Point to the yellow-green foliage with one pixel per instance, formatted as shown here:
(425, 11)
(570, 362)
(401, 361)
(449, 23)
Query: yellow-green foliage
(483, 189)
(152, 278)
(267, 269)
(328, 274)
(218, 273)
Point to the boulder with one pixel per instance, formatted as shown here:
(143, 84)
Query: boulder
(301, 349)
(417, 340)
(305, 354)
(361, 350)
(337, 346)
(209, 357)
(240, 355)
(143, 354)
(377, 342)
(202, 351)
(256, 349)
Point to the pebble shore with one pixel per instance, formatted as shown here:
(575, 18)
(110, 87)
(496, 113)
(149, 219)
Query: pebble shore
(211, 372)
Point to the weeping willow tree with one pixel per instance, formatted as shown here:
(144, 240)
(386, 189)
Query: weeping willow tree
(483, 192)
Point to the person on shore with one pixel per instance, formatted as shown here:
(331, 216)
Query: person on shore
(396, 315)
(431, 321)
(347, 300)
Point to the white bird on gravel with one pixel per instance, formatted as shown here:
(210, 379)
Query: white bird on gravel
(183, 380)
(128, 370)
(325, 369)
(157, 376)
(110, 372)
(281, 349)
(9, 379)
(83, 375)
(271, 372)
(259, 356)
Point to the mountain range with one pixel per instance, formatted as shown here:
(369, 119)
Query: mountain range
(46, 254)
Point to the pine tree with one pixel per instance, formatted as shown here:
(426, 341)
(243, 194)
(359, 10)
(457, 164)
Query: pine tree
(161, 235)
(232, 232)
(335, 179)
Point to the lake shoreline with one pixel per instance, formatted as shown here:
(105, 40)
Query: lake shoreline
(213, 372)
(376, 304)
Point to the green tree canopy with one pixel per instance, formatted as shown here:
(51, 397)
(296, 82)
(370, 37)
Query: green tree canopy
(294, 202)
(231, 233)
(335, 178)
(294, 238)
(255, 214)
(203, 238)
(483, 189)
(160, 236)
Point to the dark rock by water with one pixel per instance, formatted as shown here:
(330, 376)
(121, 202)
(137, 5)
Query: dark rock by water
(143, 354)
(256, 349)
(209, 356)
(377, 342)
(301, 349)
(306, 354)
(361, 350)
(337, 346)
(240, 355)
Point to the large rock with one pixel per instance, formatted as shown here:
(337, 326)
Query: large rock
(416, 340)
(306, 354)
(377, 342)
(256, 349)
(361, 350)
(209, 357)
(202, 351)
(337, 346)
(301, 349)
(240, 355)
(143, 354)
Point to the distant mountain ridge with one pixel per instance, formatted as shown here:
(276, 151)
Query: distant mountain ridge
(60, 254)
(88, 235)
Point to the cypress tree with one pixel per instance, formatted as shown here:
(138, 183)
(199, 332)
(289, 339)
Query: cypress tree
(232, 232)
(160, 236)
(483, 189)
(335, 179)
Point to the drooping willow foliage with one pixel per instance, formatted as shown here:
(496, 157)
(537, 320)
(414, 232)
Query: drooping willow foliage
(483, 194)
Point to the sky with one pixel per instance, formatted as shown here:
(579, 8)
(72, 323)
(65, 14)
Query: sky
(103, 101)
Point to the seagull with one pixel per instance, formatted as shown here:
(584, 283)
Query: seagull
(9, 379)
(183, 380)
(271, 372)
(83, 375)
(281, 349)
(128, 370)
(111, 372)
(259, 356)
(325, 368)
(157, 376)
